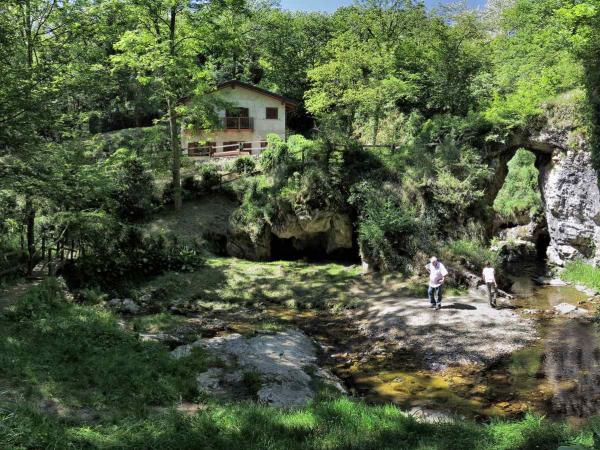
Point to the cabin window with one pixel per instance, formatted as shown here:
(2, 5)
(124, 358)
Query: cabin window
(237, 112)
(272, 113)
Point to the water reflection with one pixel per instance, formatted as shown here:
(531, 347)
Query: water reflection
(572, 368)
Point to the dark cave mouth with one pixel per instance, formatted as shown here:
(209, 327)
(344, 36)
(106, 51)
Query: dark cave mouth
(312, 249)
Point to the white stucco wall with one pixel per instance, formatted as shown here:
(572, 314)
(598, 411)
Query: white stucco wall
(257, 104)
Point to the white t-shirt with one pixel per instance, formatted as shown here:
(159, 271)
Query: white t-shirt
(436, 274)
(488, 275)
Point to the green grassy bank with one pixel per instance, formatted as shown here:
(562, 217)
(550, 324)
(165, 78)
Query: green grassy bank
(71, 377)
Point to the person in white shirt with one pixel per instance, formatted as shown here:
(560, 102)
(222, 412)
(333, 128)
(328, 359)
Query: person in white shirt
(489, 278)
(437, 276)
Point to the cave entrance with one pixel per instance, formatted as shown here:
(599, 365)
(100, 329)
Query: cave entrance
(313, 249)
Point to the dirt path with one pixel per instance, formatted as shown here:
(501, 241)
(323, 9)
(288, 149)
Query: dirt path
(466, 330)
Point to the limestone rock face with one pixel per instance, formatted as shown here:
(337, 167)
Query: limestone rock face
(571, 199)
(325, 231)
(334, 230)
(528, 233)
(241, 245)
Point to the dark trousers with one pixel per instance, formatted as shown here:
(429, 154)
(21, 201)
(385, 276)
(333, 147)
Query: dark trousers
(433, 292)
(492, 293)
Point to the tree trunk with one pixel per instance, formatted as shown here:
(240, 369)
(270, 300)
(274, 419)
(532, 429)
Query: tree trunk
(30, 223)
(175, 150)
(176, 157)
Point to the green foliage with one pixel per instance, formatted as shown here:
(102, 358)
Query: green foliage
(533, 61)
(127, 255)
(581, 273)
(244, 165)
(135, 192)
(471, 251)
(39, 301)
(209, 177)
(389, 229)
(80, 356)
(520, 196)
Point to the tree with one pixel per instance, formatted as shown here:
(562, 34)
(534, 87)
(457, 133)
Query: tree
(163, 50)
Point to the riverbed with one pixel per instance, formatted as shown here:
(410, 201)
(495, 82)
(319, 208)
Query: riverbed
(557, 375)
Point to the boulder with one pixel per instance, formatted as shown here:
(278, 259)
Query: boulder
(130, 307)
(280, 368)
(516, 250)
(529, 232)
(566, 308)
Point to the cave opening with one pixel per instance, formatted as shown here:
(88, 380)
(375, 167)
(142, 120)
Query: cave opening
(311, 249)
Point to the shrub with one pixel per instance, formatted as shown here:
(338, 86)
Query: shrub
(474, 253)
(132, 256)
(209, 177)
(190, 184)
(389, 231)
(244, 165)
(135, 194)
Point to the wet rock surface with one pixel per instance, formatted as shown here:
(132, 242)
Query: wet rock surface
(279, 369)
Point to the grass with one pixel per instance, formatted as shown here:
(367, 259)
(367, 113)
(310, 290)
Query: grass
(155, 323)
(324, 425)
(227, 283)
(80, 358)
(579, 272)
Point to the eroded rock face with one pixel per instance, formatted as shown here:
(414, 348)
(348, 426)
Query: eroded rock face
(283, 367)
(241, 244)
(569, 186)
(333, 229)
(326, 231)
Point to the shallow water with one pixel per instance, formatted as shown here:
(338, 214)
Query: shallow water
(559, 376)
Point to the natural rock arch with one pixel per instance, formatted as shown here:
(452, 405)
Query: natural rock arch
(568, 184)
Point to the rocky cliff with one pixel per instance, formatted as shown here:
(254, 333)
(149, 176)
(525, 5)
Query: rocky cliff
(571, 197)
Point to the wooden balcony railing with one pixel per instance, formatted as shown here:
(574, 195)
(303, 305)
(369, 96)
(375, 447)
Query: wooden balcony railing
(238, 123)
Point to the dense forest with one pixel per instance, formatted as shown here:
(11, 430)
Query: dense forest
(419, 132)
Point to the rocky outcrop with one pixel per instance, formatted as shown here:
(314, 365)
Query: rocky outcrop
(568, 181)
(323, 232)
(571, 197)
(277, 369)
(242, 244)
(331, 230)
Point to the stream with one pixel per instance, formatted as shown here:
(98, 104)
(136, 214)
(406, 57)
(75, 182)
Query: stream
(558, 376)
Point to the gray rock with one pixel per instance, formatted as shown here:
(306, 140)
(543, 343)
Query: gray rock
(164, 338)
(209, 381)
(115, 302)
(572, 205)
(130, 307)
(285, 395)
(557, 282)
(565, 308)
(527, 233)
(285, 362)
